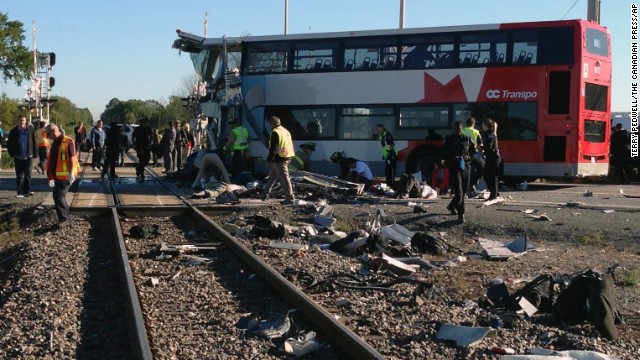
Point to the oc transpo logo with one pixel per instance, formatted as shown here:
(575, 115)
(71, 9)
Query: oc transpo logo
(508, 94)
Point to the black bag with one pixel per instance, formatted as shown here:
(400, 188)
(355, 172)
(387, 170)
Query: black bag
(426, 243)
(409, 186)
(590, 296)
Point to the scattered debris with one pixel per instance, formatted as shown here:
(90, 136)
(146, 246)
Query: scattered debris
(530, 211)
(303, 345)
(395, 266)
(462, 335)
(608, 211)
(418, 209)
(324, 216)
(541, 217)
(426, 243)
(629, 196)
(397, 233)
(497, 250)
(588, 193)
(145, 231)
(153, 282)
(573, 204)
(311, 180)
(539, 353)
(265, 227)
(502, 350)
(493, 202)
(288, 246)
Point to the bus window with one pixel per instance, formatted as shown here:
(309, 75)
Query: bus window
(427, 52)
(595, 97)
(359, 123)
(559, 92)
(525, 47)
(315, 56)
(597, 42)
(483, 49)
(370, 54)
(317, 123)
(267, 57)
(424, 117)
(594, 131)
(516, 120)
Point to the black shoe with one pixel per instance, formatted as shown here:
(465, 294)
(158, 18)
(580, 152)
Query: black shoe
(461, 218)
(452, 210)
(30, 193)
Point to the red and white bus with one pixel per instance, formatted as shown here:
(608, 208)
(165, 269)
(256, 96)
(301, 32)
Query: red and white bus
(547, 84)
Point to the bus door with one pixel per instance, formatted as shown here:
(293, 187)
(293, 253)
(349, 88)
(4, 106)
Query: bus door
(558, 129)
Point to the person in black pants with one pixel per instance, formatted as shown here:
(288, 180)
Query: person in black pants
(112, 150)
(142, 139)
(62, 169)
(456, 152)
(620, 153)
(492, 157)
(22, 147)
(389, 154)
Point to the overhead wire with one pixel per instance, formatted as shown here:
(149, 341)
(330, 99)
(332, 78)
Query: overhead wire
(565, 14)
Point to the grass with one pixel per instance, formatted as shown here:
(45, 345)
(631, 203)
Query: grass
(10, 233)
(594, 239)
(343, 226)
(6, 162)
(630, 278)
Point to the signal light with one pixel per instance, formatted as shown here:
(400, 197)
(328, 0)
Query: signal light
(52, 59)
(52, 81)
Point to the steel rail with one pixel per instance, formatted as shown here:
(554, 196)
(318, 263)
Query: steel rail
(339, 334)
(137, 330)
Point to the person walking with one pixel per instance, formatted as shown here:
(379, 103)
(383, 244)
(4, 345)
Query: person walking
(389, 154)
(492, 156)
(112, 150)
(43, 146)
(62, 170)
(302, 159)
(142, 139)
(81, 136)
(156, 139)
(620, 153)
(280, 153)
(456, 152)
(476, 164)
(98, 137)
(238, 143)
(21, 146)
(168, 144)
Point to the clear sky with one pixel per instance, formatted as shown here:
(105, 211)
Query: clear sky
(122, 48)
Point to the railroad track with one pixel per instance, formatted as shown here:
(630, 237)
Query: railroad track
(171, 297)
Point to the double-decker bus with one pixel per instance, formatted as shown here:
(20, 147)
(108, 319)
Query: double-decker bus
(547, 84)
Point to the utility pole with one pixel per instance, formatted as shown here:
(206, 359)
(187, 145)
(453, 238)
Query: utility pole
(593, 11)
(286, 17)
(402, 14)
(206, 24)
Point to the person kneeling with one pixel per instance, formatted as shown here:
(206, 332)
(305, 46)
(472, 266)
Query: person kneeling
(360, 172)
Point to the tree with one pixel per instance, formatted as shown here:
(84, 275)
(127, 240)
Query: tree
(9, 111)
(66, 114)
(15, 58)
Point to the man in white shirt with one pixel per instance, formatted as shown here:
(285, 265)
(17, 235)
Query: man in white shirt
(360, 172)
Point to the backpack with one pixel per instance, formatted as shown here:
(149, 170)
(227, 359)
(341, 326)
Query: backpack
(409, 186)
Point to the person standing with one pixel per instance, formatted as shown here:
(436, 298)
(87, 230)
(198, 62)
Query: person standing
(142, 139)
(1, 140)
(178, 145)
(280, 153)
(620, 153)
(98, 138)
(456, 152)
(155, 145)
(477, 164)
(302, 159)
(389, 154)
(124, 145)
(21, 146)
(81, 137)
(62, 170)
(112, 150)
(43, 146)
(168, 144)
(238, 143)
(492, 157)
(185, 134)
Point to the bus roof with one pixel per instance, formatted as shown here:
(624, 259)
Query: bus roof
(192, 43)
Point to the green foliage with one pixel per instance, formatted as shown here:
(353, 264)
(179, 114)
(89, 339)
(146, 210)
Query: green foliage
(66, 114)
(630, 278)
(130, 111)
(595, 239)
(9, 112)
(15, 58)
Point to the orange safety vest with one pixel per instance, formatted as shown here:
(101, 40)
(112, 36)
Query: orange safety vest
(64, 163)
(285, 147)
(41, 138)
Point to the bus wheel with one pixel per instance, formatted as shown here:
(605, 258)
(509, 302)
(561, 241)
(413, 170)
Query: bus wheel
(422, 160)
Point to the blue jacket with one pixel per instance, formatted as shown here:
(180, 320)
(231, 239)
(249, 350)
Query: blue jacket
(97, 136)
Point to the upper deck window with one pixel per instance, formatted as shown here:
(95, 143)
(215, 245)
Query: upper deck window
(315, 56)
(483, 49)
(545, 46)
(597, 42)
(370, 54)
(426, 52)
(267, 57)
